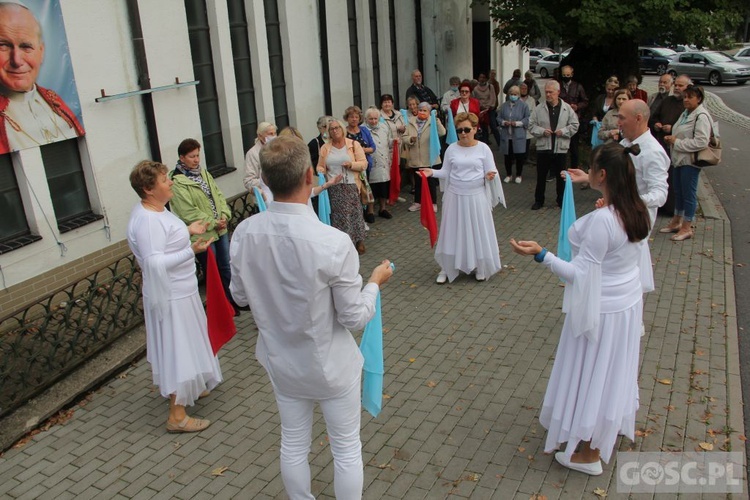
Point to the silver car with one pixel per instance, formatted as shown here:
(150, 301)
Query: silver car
(709, 66)
(535, 55)
(547, 65)
(743, 55)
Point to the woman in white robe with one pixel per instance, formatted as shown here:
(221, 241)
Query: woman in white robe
(592, 394)
(467, 241)
(177, 345)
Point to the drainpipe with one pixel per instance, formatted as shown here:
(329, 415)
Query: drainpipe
(144, 80)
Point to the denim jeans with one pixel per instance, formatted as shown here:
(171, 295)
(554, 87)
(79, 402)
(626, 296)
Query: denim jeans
(685, 184)
(342, 416)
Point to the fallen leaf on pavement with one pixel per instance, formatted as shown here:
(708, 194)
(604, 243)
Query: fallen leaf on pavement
(706, 446)
(431, 383)
(601, 493)
(664, 381)
(219, 471)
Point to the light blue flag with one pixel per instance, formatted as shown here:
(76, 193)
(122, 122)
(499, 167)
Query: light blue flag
(596, 125)
(324, 202)
(434, 139)
(405, 116)
(372, 350)
(451, 136)
(259, 200)
(567, 218)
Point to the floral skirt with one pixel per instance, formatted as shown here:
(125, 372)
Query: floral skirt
(346, 211)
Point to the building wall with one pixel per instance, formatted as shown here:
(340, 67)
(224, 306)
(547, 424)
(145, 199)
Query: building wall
(103, 58)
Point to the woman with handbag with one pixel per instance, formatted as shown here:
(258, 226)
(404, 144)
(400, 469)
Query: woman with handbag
(690, 135)
(346, 157)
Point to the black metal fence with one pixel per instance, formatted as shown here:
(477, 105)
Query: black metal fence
(45, 341)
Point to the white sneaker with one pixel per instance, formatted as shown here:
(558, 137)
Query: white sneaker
(367, 228)
(414, 207)
(480, 277)
(434, 207)
(593, 469)
(401, 199)
(441, 278)
(507, 179)
(518, 180)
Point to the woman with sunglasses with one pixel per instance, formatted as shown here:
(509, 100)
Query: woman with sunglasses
(465, 103)
(467, 241)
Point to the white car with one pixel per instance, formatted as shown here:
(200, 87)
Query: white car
(743, 55)
(547, 65)
(535, 55)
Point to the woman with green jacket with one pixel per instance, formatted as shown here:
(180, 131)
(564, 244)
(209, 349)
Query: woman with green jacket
(197, 197)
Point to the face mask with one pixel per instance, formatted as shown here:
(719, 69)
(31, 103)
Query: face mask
(454, 89)
(566, 79)
(513, 98)
(269, 139)
(325, 136)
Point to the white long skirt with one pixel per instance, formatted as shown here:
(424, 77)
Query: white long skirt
(592, 393)
(179, 351)
(467, 239)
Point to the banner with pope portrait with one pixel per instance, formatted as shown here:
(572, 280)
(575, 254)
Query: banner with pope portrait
(38, 96)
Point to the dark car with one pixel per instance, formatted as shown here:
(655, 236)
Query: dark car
(655, 59)
(709, 66)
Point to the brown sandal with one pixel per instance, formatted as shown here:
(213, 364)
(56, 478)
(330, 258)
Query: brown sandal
(188, 424)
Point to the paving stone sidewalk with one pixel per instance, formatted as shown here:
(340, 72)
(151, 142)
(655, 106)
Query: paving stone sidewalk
(467, 364)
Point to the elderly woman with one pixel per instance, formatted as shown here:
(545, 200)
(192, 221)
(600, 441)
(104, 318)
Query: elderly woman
(419, 132)
(177, 345)
(465, 103)
(610, 129)
(397, 126)
(605, 101)
(353, 118)
(266, 132)
(533, 87)
(345, 157)
(635, 92)
(513, 121)
(380, 173)
(198, 198)
(690, 134)
(467, 240)
(592, 394)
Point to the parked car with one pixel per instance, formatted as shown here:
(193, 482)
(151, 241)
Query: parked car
(685, 48)
(535, 55)
(547, 65)
(710, 66)
(743, 55)
(655, 59)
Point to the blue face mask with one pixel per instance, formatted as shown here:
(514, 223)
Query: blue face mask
(454, 89)
(513, 98)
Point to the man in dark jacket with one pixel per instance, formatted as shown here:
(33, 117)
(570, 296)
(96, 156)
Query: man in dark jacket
(573, 93)
(421, 92)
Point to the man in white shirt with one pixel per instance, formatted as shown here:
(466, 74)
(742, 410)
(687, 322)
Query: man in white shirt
(301, 280)
(652, 164)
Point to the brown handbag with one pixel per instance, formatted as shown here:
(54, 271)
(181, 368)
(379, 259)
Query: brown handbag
(711, 155)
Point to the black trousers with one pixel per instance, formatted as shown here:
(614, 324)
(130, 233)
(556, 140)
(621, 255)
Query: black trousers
(548, 162)
(431, 181)
(520, 160)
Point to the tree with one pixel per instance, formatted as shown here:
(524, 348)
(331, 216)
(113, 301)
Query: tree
(605, 33)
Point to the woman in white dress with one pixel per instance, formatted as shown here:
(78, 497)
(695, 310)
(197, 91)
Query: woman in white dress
(177, 343)
(467, 241)
(592, 394)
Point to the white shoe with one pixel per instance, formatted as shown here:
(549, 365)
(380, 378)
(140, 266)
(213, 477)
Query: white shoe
(441, 278)
(480, 277)
(507, 179)
(414, 207)
(367, 228)
(593, 469)
(518, 180)
(434, 207)
(401, 199)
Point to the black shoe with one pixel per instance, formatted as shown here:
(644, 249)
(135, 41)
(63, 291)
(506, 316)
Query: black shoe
(369, 218)
(385, 214)
(536, 206)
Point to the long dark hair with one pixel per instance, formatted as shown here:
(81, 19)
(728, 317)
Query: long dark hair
(622, 188)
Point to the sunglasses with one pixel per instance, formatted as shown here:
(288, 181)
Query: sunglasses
(463, 91)
(464, 130)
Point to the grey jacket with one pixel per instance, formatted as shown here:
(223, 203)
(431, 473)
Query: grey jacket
(567, 122)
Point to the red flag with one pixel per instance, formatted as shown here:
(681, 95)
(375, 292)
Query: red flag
(427, 214)
(395, 175)
(219, 311)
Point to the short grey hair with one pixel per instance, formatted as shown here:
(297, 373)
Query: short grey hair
(284, 162)
(424, 105)
(554, 84)
(323, 121)
(454, 80)
(372, 110)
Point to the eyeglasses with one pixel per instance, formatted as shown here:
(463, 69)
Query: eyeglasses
(463, 91)
(464, 130)
(330, 129)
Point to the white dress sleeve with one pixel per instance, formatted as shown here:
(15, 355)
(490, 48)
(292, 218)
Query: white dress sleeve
(583, 277)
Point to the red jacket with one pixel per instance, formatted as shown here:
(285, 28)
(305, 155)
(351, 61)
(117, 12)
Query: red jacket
(473, 106)
(55, 102)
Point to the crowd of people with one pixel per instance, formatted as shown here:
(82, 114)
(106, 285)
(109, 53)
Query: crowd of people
(300, 277)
